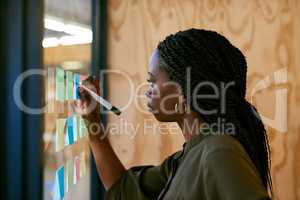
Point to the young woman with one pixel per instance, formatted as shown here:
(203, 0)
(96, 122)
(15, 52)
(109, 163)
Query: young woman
(197, 79)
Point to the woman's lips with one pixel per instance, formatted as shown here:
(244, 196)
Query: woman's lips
(149, 107)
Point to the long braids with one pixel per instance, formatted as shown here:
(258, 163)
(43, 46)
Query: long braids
(212, 58)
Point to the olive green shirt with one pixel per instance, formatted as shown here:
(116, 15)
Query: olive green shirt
(208, 168)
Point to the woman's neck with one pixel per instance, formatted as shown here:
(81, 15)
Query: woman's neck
(190, 125)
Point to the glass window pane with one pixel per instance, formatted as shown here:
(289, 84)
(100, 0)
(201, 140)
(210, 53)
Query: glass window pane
(67, 58)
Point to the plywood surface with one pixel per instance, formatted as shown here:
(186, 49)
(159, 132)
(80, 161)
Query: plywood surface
(268, 34)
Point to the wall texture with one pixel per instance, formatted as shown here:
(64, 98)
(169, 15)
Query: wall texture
(268, 34)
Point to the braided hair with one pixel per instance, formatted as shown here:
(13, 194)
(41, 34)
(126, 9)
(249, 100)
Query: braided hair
(210, 57)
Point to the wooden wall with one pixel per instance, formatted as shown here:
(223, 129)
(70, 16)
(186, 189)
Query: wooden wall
(266, 31)
(55, 56)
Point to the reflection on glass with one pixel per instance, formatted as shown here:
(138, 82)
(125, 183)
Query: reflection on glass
(67, 53)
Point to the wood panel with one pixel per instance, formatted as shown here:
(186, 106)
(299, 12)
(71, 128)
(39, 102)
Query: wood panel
(55, 56)
(266, 31)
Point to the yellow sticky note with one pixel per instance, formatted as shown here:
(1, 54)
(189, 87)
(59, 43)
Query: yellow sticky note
(60, 134)
(70, 174)
(82, 165)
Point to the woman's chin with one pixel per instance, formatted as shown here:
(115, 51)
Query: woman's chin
(163, 118)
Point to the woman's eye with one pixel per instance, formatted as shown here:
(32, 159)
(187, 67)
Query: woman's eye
(150, 82)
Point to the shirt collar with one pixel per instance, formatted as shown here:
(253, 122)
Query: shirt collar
(188, 145)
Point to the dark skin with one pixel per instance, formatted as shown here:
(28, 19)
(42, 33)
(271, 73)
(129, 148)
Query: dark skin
(162, 95)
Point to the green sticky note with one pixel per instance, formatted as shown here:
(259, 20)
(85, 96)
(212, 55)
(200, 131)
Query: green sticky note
(60, 85)
(82, 127)
(70, 174)
(69, 85)
(59, 136)
(82, 164)
(75, 127)
(80, 134)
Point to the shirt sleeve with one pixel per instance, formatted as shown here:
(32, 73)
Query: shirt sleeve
(230, 175)
(141, 182)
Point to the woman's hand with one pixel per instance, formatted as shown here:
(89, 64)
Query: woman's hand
(88, 108)
(109, 167)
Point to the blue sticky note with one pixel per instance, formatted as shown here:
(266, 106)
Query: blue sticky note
(59, 184)
(69, 139)
(76, 80)
(61, 179)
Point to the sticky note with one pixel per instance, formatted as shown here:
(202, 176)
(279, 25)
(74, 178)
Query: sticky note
(70, 130)
(83, 77)
(58, 190)
(75, 127)
(69, 85)
(69, 137)
(82, 127)
(70, 174)
(76, 80)
(50, 87)
(79, 127)
(60, 134)
(60, 84)
(82, 165)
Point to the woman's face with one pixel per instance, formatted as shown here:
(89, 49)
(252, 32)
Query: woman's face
(162, 94)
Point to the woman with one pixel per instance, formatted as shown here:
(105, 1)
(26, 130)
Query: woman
(197, 79)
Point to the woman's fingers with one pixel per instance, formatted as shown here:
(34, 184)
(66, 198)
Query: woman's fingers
(86, 106)
(84, 95)
(78, 107)
(92, 84)
(82, 108)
